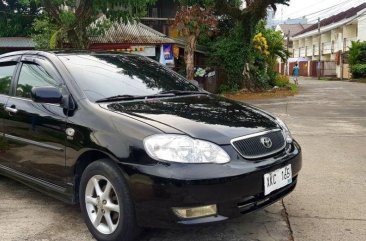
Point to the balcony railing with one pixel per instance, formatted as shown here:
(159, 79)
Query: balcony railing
(327, 48)
(302, 52)
(309, 51)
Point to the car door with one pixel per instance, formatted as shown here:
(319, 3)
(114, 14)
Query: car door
(35, 131)
(7, 71)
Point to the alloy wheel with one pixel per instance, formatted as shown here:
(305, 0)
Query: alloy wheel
(102, 204)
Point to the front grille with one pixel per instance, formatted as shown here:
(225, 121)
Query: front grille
(251, 147)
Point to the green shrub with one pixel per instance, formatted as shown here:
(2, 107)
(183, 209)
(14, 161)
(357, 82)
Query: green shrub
(358, 71)
(294, 88)
(273, 75)
(282, 81)
(226, 88)
(357, 53)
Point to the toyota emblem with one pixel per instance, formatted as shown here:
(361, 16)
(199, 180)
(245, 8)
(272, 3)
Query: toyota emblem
(266, 142)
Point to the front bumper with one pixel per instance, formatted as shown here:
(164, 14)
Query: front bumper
(156, 190)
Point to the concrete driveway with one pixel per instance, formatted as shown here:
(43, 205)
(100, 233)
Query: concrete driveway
(329, 121)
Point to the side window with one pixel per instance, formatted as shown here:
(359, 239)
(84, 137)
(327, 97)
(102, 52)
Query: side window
(33, 75)
(7, 70)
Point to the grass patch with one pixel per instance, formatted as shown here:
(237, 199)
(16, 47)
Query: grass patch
(294, 88)
(291, 90)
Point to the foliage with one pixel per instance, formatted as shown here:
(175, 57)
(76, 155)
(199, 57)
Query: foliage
(249, 16)
(357, 59)
(73, 18)
(294, 88)
(251, 68)
(357, 53)
(44, 31)
(282, 81)
(358, 71)
(16, 17)
(230, 53)
(274, 40)
(191, 21)
(201, 3)
(260, 44)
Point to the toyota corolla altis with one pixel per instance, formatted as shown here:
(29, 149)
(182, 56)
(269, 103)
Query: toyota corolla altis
(135, 144)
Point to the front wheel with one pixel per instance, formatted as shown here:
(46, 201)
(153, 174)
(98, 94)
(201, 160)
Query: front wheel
(106, 204)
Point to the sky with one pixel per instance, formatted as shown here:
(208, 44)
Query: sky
(315, 8)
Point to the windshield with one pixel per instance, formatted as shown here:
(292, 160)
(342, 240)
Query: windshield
(105, 75)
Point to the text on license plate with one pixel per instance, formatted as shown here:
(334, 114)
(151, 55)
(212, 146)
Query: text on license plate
(277, 179)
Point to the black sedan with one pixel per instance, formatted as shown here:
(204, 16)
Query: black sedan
(135, 144)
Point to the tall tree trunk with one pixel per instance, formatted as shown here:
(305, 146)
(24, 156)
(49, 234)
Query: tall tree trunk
(189, 56)
(73, 39)
(77, 38)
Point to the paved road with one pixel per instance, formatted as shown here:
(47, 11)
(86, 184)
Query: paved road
(327, 118)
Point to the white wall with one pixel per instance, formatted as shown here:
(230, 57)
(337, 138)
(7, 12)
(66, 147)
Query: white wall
(362, 28)
(350, 31)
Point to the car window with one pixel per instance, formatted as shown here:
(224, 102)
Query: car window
(102, 76)
(7, 70)
(33, 75)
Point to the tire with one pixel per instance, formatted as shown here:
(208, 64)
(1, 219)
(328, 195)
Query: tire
(106, 204)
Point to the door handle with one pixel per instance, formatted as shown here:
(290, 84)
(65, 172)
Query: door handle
(11, 110)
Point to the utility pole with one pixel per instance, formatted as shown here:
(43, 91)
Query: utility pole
(320, 46)
(287, 47)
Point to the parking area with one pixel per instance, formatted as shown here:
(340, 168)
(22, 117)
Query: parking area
(329, 121)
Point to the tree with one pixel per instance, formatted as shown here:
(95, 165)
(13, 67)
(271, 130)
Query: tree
(357, 59)
(269, 46)
(16, 17)
(245, 19)
(73, 18)
(192, 19)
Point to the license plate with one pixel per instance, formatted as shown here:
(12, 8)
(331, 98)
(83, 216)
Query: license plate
(277, 179)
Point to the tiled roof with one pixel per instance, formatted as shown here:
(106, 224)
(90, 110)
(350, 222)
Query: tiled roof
(131, 33)
(293, 28)
(336, 18)
(16, 42)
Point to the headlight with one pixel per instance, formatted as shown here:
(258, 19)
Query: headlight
(184, 149)
(285, 130)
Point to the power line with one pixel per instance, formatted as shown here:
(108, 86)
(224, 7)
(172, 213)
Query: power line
(296, 13)
(336, 10)
(333, 8)
(325, 9)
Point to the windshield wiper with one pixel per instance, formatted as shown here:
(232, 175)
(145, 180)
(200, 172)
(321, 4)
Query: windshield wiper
(133, 97)
(168, 93)
(119, 97)
(184, 92)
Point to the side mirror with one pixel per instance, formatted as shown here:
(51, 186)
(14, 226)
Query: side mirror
(50, 95)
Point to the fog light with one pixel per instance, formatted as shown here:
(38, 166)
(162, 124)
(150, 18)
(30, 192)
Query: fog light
(196, 212)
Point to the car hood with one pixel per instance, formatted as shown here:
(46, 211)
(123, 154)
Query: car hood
(207, 117)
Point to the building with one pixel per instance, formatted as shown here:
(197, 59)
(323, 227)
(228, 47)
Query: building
(290, 30)
(161, 15)
(336, 35)
(131, 37)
